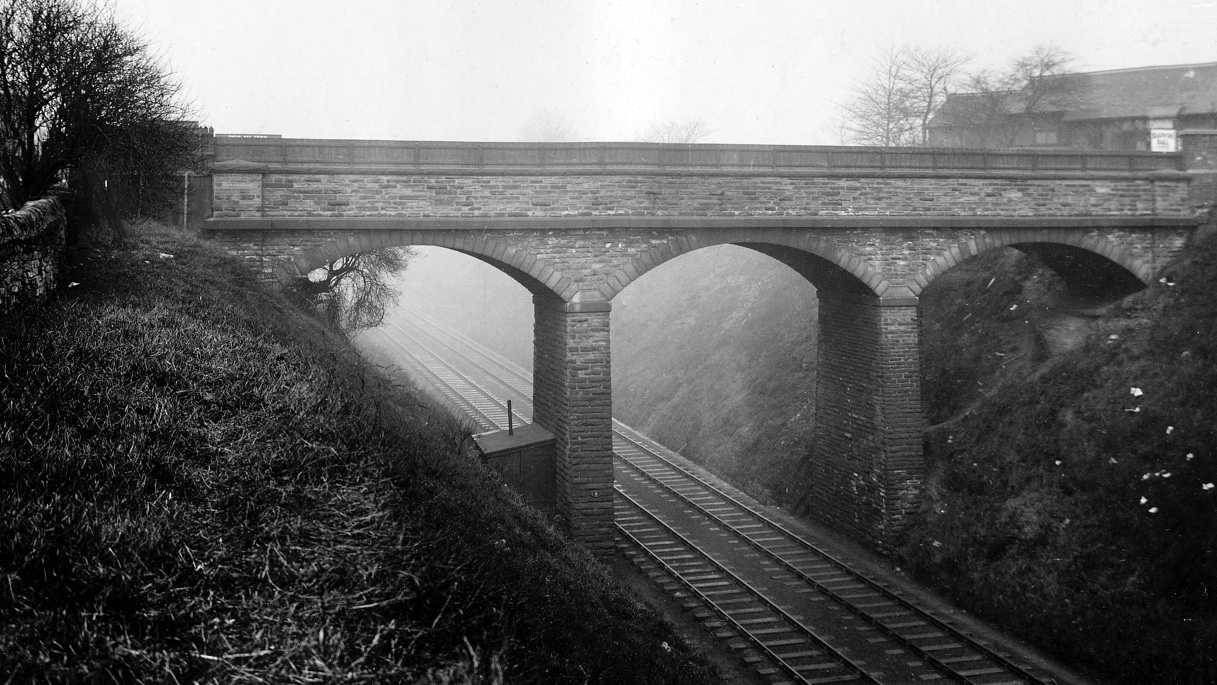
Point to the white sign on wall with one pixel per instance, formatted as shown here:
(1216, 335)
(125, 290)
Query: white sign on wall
(1163, 140)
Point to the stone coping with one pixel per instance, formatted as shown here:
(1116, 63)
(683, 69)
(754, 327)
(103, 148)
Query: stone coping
(392, 223)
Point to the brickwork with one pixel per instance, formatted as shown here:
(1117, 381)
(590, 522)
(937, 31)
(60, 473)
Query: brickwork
(596, 264)
(31, 252)
(870, 241)
(1200, 156)
(572, 398)
(867, 469)
(283, 192)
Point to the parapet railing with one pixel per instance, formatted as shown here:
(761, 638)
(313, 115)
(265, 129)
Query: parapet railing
(406, 155)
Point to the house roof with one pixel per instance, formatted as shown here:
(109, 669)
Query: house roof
(1154, 92)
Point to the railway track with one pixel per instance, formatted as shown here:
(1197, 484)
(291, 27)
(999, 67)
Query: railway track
(792, 610)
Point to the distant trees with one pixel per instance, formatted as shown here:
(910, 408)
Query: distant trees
(547, 127)
(908, 86)
(683, 132)
(82, 97)
(1001, 105)
(353, 292)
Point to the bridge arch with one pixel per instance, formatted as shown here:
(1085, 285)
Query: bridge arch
(1087, 262)
(822, 263)
(864, 475)
(527, 268)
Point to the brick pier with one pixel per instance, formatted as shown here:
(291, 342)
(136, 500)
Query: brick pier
(577, 223)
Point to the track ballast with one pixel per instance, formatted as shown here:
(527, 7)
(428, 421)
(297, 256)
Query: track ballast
(789, 608)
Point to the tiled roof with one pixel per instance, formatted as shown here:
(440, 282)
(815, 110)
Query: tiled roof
(1156, 92)
(1150, 92)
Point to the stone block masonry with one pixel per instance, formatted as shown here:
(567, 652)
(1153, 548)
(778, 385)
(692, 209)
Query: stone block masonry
(572, 398)
(871, 229)
(867, 468)
(31, 252)
(284, 193)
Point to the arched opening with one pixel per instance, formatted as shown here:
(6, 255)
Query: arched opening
(714, 356)
(1088, 277)
(1002, 313)
(852, 445)
(444, 290)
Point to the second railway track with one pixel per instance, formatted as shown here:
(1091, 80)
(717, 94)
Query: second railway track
(792, 610)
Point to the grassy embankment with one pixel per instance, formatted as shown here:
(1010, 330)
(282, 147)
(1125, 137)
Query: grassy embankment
(1070, 497)
(714, 356)
(1038, 458)
(198, 482)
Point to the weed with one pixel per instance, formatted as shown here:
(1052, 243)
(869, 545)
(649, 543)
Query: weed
(199, 482)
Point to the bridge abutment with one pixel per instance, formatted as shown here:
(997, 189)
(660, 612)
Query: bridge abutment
(869, 227)
(867, 469)
(572, 398)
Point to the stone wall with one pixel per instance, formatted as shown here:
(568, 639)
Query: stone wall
(1200, 157)
(287, 192)
(578, 263)
(31, 252)
(870, 241)
(867, 472)
(572, 398)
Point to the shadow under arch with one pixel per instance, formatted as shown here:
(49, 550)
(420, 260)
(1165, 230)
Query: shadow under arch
(825, 265)
(526, 268)
(864, 471)
(1091, 266)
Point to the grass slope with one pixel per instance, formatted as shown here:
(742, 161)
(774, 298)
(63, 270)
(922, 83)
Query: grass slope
(1075, 503)
(200, 483)
(1038, 455)
(712, 356)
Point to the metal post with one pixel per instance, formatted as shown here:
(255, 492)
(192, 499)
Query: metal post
(510, 422)
(185, 200)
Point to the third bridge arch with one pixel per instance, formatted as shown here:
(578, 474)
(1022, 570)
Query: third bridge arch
(577, 224)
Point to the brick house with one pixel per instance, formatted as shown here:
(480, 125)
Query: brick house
(1141, 109)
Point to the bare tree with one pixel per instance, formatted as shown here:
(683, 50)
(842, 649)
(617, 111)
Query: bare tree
(80, 95)
(929, 78)
(1002, 105)
(682, 132)
(906, 86)
(353, 292)
(881, 110)
(548, 127)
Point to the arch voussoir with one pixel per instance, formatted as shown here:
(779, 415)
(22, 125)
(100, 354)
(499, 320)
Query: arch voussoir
(1097, 244)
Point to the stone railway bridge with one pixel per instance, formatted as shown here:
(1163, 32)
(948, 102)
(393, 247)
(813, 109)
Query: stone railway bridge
(577, 223)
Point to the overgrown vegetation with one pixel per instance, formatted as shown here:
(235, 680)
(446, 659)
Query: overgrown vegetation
(714, 356)
(352, 292)
(200, 483)
(1071, 493)
(83, 99)
(1075, 503)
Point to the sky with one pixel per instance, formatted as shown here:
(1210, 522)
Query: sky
(760, 72)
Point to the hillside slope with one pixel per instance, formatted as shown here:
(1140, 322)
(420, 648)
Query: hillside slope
(198, 483)
(1074, 501)
(1048, 422)
(712, 357)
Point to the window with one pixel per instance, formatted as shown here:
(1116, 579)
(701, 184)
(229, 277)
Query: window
(1045, 137)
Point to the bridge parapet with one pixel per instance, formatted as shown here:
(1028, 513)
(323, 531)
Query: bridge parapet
(632, 157)
(577, 223)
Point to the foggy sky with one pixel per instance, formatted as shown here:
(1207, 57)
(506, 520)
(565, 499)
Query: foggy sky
(755, 72)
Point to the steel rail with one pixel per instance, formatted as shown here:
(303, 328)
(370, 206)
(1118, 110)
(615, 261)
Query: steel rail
(971, 642)
(845, 602)
(515, 370)
(494, 399)
(515, 387)
(446, 389)
(636, 439)
(769, 604)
